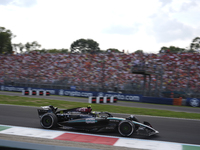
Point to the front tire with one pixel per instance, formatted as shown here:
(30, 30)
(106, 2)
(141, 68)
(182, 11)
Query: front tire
(126, 128)
(48, 121)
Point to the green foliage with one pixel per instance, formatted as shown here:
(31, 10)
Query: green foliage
(78, 46)
(113, 50)
(139, 52)
(190, 51)
(172, 49)
(85, 46)
(27, 46)
(195, 45)
(21, 47)
(35, 45)
(5, 41)
(64, 50)
(42, 51)
(32, 46)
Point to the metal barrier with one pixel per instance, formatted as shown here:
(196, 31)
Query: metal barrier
(38, 93)
(101, 99)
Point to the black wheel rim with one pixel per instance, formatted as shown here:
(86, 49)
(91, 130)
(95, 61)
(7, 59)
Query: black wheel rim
(125, 128)
(47, 121)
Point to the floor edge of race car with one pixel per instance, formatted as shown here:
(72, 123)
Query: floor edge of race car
(96, 139)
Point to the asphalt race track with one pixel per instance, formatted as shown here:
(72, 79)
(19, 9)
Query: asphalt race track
(172, 130)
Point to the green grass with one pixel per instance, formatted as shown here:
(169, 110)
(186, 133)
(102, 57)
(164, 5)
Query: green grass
(25, 101)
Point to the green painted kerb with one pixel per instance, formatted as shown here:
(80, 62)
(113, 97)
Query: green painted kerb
(4, 128)
(188, 147)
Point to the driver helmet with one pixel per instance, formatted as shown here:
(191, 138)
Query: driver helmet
(89, 108)
(94, 113)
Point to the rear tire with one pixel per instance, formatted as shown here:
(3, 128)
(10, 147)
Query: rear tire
(126, 128)
(48, 121)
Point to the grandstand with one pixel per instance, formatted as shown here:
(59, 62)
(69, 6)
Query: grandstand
(148, 74)
(143, 69)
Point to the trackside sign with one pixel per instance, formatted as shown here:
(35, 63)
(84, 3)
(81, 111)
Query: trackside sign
(75, 93)
(127, 97)
(194, 102)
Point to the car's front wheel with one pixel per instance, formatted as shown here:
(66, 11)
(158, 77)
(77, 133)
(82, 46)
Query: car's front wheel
(48, 121)
(126, 128)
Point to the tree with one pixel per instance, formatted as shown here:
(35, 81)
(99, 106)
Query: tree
(15, 46)
(5, 41)
(32, 46)
(21, 47)
(64, 50)
(28, 46)
(35, 45)
(85, 46)
(195, 45)
(139, 52)
(113, 50)
(172, 49)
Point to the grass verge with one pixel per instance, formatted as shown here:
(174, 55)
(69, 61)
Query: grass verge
(26, 101)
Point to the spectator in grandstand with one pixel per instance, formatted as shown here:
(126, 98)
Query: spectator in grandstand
(181, 71)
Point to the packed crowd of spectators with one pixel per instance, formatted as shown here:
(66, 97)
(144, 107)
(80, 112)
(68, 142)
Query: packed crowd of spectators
(175, 71)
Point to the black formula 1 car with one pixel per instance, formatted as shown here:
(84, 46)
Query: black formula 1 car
(75, 119)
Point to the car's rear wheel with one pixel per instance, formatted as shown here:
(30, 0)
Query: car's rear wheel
(126, 128)
(48, 121)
